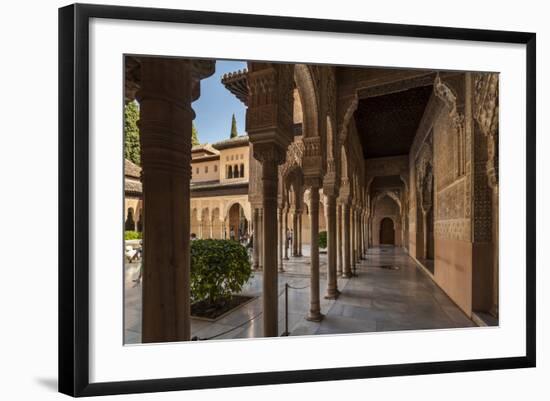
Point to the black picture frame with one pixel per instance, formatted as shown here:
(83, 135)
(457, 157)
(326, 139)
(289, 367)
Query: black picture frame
(74, 200)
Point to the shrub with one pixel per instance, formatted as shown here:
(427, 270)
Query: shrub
(219, 268)
(132, 235)
(322, 239)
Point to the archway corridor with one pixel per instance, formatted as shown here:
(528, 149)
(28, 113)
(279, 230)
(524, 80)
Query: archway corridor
(390, 292)
(372, 191)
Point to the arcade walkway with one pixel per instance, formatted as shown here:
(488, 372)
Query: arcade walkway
(389, 293)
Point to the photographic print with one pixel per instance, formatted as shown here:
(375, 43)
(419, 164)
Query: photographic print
(267, 199)
(229, 208)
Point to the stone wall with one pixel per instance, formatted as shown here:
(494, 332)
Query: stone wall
(448, 146)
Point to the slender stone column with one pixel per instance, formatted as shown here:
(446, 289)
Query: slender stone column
(285, 233)
(339, 247)
(360, 231)
(315, 304)
(269, 126)
(299, 233)
(353, 237)
(332, 283)
(165, 127)
(347, 240)
(294, 233)
(270, 159)
(280, 244)
(261, 238)
(256, 240)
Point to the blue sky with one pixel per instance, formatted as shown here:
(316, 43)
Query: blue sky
(216, 104)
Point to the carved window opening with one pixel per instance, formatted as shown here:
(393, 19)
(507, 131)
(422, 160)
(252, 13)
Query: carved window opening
(229, 172)
(242, 170)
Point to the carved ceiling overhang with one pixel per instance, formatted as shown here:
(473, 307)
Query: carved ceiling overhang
(387, 124)
(400, 85)
(237, 83)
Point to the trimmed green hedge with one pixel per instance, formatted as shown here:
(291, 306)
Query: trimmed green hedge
(132, 235)
(219, 268)
(322, 239)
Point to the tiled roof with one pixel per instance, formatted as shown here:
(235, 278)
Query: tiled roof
(204, 147)
(241, 140)
(132, 186)
(131, 169)
(216, 184)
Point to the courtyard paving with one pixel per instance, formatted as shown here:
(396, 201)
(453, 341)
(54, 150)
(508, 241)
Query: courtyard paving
(390, 292)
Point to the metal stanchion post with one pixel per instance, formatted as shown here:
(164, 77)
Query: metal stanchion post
(286, 333)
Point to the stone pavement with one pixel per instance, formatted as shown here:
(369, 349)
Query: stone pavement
(378, 299)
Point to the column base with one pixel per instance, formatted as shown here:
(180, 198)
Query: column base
(281, 269)
(334, 294)
(346, 275)
(315, 317)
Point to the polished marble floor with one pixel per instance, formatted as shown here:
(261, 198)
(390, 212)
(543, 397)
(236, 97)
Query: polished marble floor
(390, 292)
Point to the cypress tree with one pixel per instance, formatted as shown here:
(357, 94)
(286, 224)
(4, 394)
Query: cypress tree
(233, 127)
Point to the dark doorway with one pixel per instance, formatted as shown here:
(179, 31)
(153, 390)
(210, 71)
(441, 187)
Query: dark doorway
(387, 232)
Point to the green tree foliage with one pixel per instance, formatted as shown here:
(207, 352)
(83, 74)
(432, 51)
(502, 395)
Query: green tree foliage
(234, 132)
(322, 239)
(131, 133)
(219, 268)
(194, 135)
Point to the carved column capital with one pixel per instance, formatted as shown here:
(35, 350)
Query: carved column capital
(270, 103)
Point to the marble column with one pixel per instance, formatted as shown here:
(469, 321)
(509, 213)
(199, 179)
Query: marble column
(165, 134)
(332, 283)
(353, 237)
(285, 233)
(294, 233)
(360, 231)
(270, 158)
(281, 242)
(339, 247)
(299, 233)
(314, 293)
(256, 240)
(347, 240)
(261, 238)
